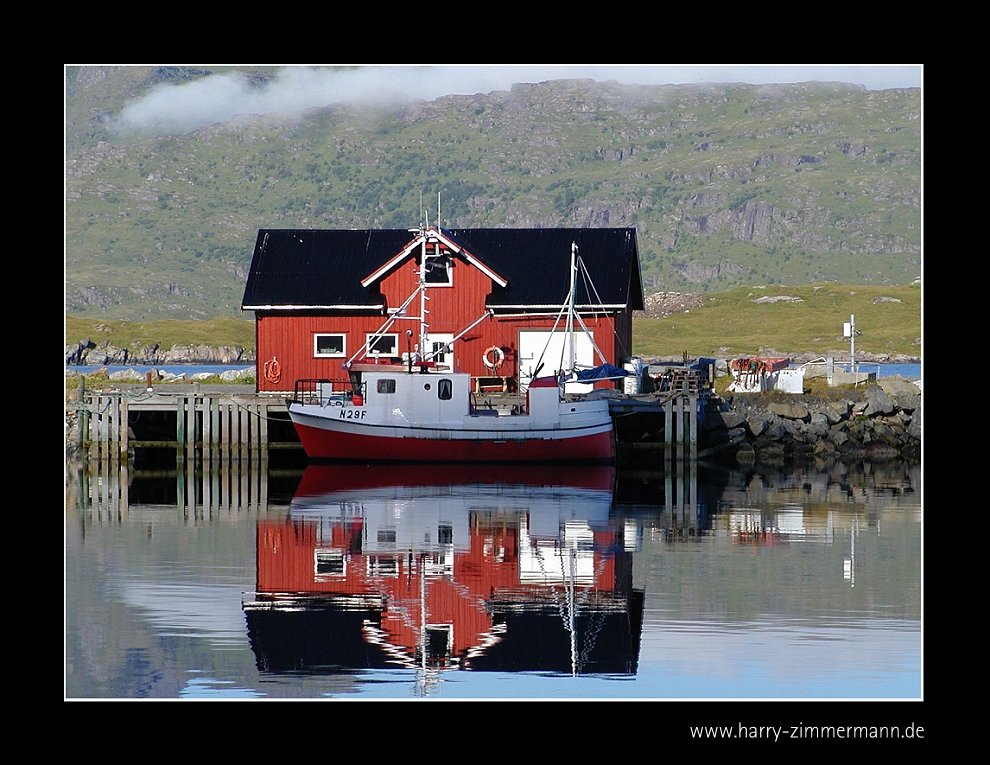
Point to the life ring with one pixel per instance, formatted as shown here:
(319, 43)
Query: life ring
(497, 357)
(273, 371)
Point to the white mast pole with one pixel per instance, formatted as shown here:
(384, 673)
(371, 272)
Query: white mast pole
(424, 327)
(570, 307)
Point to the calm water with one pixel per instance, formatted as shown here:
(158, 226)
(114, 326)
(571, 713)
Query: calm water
(371, 583)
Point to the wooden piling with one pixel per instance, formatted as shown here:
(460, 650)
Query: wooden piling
(681, 427)
(213, 428)
(209, 428)
(101, 491)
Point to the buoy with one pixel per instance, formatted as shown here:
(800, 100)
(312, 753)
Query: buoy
(497, 357)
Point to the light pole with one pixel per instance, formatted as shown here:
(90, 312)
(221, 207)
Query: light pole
(849, 330)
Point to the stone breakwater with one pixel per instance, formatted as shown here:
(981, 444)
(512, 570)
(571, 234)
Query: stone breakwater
(88, 353)
(878, 423)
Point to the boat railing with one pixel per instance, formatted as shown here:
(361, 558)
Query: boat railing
(327, 392)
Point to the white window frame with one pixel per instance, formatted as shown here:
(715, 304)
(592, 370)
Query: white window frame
(316, 345)
(334, 559)
(449, 282)
(384, 565)
(395, 342)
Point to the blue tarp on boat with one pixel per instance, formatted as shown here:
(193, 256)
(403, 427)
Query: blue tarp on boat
(604, 372)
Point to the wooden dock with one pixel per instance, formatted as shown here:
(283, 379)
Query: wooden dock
(224, 423)
(679, 407)
(208, 424)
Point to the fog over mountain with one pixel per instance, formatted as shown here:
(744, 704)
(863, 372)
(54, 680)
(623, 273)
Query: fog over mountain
(172, 170)
(218, 98)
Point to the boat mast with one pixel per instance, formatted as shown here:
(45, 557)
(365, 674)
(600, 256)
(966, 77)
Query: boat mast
(570, 309)
(424, 327)
(571, 607)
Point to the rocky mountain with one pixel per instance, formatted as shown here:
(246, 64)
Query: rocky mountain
(726, 185)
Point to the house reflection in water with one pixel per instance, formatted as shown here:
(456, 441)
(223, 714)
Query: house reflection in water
(446, 567)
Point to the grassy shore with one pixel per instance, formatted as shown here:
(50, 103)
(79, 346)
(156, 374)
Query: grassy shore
(749, 320)
(790, 320)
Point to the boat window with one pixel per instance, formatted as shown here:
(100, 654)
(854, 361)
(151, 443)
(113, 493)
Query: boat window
(386, 385)
(329, 345)
(445, 389)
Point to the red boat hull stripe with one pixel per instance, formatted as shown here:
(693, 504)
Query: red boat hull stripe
(334, 445)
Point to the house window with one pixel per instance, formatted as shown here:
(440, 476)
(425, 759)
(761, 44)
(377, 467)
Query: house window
(386, 537)
(383, 345)
(440, 351)
(329, 345)
(439, 272)
(383, 565)
(328, 562)
(438, 646)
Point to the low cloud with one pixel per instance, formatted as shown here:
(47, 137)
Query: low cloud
(220, 97)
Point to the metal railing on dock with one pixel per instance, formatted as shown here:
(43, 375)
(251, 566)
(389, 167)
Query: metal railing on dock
(197, 423)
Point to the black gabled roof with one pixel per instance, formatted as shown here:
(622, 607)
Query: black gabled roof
(303, 268)
(300, 268)
(537, 263)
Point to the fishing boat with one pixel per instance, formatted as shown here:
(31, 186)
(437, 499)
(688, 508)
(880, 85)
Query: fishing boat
(422, 411)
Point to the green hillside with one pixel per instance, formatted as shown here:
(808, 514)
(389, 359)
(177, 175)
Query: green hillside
(727, 185)
(167, 333)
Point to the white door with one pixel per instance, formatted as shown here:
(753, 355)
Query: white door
(442, 348)
(543, 353)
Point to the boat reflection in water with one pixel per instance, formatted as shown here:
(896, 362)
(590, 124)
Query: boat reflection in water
(513, 569)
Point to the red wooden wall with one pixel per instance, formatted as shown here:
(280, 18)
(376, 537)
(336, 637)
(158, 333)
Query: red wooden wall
(285, 340)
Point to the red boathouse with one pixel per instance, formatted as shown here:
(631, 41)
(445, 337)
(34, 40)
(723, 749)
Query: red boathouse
(320, 296)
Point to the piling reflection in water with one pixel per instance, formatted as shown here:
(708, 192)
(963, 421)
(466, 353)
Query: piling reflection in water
(107, 491)
(443, 567)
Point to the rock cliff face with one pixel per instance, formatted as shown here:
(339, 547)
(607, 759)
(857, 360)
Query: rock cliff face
(726, 184)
